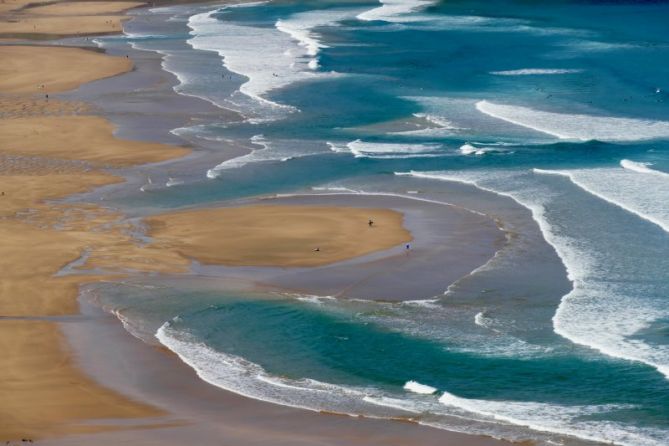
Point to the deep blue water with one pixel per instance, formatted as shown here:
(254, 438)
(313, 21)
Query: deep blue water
(554, 110)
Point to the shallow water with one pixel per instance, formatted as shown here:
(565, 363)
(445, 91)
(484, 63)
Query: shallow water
(552, 119)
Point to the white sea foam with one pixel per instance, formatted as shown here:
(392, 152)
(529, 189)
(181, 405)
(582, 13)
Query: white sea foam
(482, 320)
(364, 149)
(233, 163)
(416, 387)
(438, 126)
(642, 168)
(249, 379)
(301, 28)
(635, 188)
(411, 14)
(318, 300)
(270, 58)
(267, 153)
(133, 37)
(577, 126)
(470, 149)
(601, 311)
(236, 374)
(536, 71)
(598, 46)
(171, 182)
(397, 403)
(241, 376)
(558, 419)
(314, 64)
(425, 303)
(405, 14)
(438, 121)
(336, 189)
(395, 10)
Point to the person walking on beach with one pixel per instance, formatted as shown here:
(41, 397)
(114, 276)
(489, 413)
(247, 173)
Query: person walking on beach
(370, 223)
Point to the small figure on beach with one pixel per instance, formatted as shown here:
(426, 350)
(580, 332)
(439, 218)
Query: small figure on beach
(408, 246)
(317, 249)
(370, 222)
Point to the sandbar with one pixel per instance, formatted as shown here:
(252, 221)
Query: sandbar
(285, 236)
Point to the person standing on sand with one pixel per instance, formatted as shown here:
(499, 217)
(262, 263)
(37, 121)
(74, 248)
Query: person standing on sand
(370, 223)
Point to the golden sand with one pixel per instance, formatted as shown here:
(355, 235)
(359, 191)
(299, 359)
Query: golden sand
(20, 18)
(41, 388)
(41, 391)
(87, 138)
(278, 235)
(58, 26)
(15, 106)
(13, 5)
(41, 70)
(83, 8)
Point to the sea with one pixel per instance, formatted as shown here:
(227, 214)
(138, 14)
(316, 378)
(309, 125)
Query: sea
(551, 116)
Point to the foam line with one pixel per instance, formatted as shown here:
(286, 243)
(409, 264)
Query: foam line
(416, 387)
(364, 149)
(642, 168)
(535, 71)
(271, 58)
(636, 189)
(577, 126)
(394, 10)
(591, 313)
(557, 419)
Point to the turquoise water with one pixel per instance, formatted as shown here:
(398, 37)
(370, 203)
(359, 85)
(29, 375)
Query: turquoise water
(549, 115)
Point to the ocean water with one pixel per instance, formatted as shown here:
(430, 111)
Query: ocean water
(551, 116)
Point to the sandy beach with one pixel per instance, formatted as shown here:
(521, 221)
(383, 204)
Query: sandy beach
(42, 70)
(58, 19)
(43, 391)
(54, 386)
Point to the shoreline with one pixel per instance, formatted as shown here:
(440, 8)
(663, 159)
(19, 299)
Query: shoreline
(162, 431)
(204, 414)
